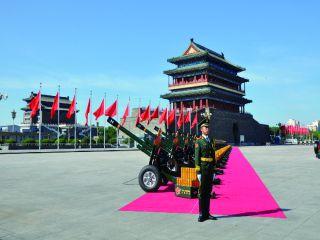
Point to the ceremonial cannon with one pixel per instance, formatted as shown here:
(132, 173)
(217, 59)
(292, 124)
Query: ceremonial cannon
(162, 166)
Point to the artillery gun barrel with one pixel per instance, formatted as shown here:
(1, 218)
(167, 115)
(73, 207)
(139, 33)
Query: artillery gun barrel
(143, 128)
(146, 148)
(165, 144)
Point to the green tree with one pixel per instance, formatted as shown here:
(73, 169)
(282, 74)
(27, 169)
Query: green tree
(10, 141)
(85, 140)
(47, 141)
(274, 130)
(316, 135)
(100, 140)
(72, 140)
(111, 134)
(28, 141)
(61, 140)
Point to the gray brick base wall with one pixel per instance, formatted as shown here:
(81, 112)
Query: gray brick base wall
(229, 126)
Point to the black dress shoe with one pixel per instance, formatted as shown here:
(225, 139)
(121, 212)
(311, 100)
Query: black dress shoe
(210, 217)
(201, 219)
(213, 195)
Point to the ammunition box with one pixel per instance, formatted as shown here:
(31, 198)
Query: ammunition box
(186, 192)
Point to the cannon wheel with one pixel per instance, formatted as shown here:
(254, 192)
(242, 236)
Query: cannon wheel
(149, 178)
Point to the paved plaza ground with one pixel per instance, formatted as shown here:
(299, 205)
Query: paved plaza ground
(77, 196)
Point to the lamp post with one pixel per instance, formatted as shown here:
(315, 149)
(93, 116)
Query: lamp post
(13, 115)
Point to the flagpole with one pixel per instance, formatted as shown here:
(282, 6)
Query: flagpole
(117, 121)
(40, 117)
(129, 121)
(166, 123)
(139, 110)
(58, 132)
(175, 115)
(197, 123)
(105, 122)
(182, 112)
(75, 119)
(90, 120)
(190, 115)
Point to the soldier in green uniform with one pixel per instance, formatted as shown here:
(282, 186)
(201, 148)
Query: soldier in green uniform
(204, 162)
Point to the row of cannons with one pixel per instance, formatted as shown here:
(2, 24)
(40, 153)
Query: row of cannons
(171, 158)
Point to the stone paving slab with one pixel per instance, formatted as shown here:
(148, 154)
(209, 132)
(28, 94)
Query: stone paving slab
(77, 195)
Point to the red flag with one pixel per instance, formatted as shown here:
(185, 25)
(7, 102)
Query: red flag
(87, 111)
(138, 116)
(112, 110)
(163, 116)
(55, 106)
(125, 115)
(187, 118)
(100, 111)
(195, 121)
(171, 117)
(180, 120)
(145, 116)
(154, 115)
(34, 104)
(72, 108)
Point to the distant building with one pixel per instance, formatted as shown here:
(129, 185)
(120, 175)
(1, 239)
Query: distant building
(314, 126)
(293, 122)
(49, 126)
(10, 128)
(46, 104)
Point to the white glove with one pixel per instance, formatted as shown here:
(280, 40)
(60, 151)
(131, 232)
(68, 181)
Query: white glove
(199, 176)
(213, 176)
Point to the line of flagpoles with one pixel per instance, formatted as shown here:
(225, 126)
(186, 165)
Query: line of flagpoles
(167, 116)
(295, 130)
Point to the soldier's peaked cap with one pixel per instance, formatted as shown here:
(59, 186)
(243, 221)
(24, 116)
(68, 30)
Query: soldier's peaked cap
(204, 122)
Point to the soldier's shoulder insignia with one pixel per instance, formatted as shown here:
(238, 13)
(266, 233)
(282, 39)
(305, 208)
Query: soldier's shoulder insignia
(196, 145)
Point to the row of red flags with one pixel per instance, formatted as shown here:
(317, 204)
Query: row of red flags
(167, 116)
(288, 129)
(34, 106)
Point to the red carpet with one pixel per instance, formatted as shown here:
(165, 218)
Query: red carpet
(241, 193)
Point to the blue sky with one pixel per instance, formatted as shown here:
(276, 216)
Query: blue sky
(121, 47)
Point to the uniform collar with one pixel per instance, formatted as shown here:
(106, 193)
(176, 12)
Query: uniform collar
(206, 137)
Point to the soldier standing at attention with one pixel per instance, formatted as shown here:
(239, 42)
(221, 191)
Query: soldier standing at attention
(204, 163)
